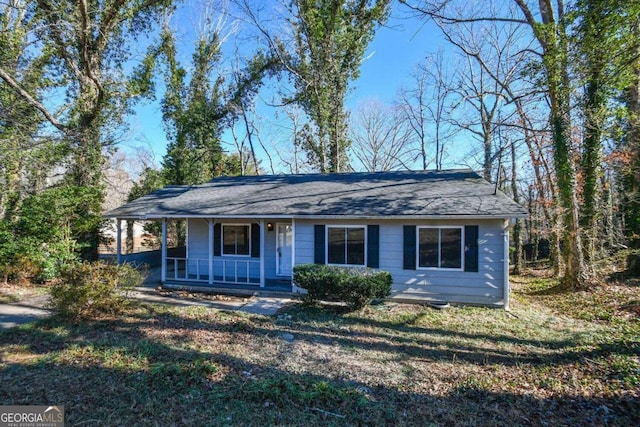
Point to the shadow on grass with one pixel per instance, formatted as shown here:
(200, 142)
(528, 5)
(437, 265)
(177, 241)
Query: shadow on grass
(557, 289)
(113, 372)
(625, 278)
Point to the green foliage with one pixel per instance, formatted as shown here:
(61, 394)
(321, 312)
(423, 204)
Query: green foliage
(150, 181)
(62, 219)
(330, 38)
(44, 237)
(197, 111)
(87, 290)
(354, 286)
(305, 391)
(81, 50)
(36, 247)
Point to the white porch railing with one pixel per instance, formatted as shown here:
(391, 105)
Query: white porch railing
(225, 270)
(191, 269)
(229, 270)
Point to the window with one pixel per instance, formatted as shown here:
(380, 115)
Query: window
(235, 240)
(345, 245)
(440, 247)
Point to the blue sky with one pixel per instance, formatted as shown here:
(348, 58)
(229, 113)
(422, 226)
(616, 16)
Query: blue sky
(391, 57)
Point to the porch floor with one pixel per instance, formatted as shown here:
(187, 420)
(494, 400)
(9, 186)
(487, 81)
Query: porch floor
(271, 287)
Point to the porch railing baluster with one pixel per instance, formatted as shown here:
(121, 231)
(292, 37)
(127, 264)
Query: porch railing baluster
(228, 277)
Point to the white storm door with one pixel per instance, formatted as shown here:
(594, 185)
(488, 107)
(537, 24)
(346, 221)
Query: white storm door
(284, 249)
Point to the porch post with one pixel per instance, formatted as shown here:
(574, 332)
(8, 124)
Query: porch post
(163, 249)
(262, 234)
(118, 241)
(210, 223)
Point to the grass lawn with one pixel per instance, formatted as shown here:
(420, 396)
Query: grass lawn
(557, 359)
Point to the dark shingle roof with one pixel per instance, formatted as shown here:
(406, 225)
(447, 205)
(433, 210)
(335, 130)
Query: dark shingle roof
(379, 194)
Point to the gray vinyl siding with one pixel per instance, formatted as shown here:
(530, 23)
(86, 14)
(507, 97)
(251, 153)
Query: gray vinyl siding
(482, 287)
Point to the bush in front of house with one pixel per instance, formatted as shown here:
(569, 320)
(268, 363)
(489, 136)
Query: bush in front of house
(354, 286)
(87, 290)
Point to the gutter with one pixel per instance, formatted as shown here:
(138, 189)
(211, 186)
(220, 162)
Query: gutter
(320, 217)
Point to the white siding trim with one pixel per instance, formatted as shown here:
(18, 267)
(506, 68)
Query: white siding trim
(163, 273)
(210, 248)
(261, 251)
(505, 262)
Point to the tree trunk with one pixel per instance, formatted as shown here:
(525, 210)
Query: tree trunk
(487, 164)
(594, 103)
(554, 39)
(631, 186)
(129, 242)
(517, 228)
(575, 269)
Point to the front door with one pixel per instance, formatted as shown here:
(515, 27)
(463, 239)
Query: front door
(283, 249)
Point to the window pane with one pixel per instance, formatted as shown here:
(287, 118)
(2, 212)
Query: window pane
(451, 248)
(228, 240)
(428, 247)
(355, 246)
(235, 240)
(242, 240)
(336, 245)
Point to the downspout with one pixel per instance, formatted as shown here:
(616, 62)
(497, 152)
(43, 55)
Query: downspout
(505, 264)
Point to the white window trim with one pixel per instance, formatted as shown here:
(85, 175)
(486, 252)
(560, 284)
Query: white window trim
(222, 253)
(326, 245)
(439, 227)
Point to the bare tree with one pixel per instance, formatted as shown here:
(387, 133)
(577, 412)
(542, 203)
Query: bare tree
(379, 137)
(493, 61)
(321, 50)
(426, 105)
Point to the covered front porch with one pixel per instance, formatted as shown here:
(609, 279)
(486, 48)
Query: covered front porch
(239, 254)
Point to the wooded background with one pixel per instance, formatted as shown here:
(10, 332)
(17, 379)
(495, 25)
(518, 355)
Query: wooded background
(545, 95)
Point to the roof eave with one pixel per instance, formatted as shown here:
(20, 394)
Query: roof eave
(321, 217)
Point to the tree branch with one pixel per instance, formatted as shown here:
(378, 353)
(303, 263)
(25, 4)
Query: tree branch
(31, 100)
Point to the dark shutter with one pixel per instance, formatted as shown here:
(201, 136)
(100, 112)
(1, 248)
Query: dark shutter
(255, 240)
(217, 238)
(409, 253)
(373, 246)
(318, 244)
(471, 248)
